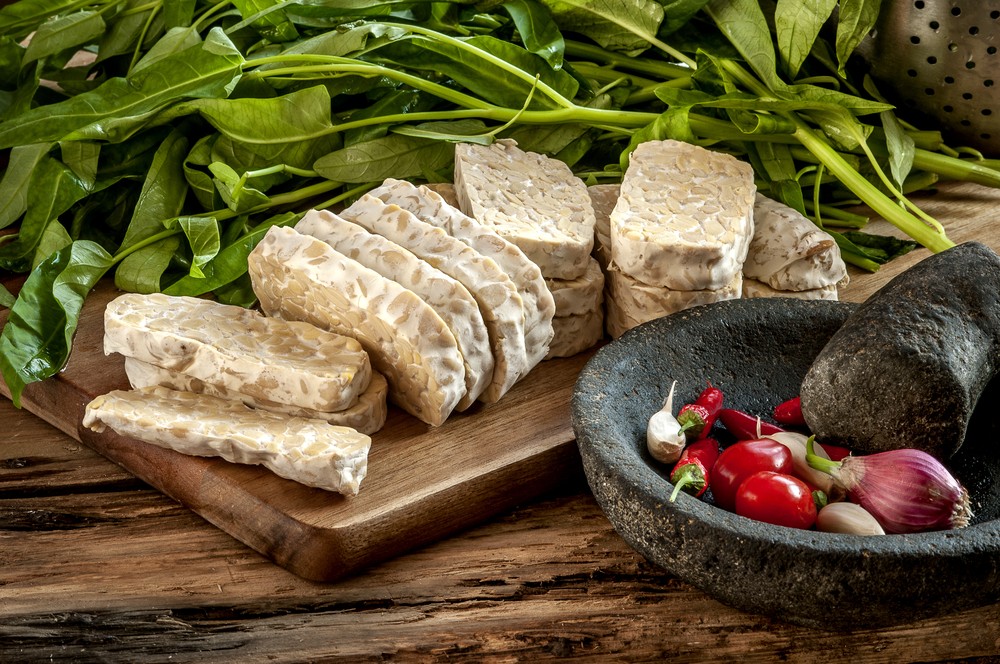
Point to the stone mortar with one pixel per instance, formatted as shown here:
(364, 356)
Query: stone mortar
(757, 351)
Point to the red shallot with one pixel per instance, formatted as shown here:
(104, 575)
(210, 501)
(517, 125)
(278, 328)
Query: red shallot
(906, 490)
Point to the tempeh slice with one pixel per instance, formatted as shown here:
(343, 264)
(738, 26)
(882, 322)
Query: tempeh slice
(368, 415)
(499, 302)
(630, 302)
(428, 205)
(582, 295)
(239, 349)
(311, 452)
(789, 252)
(535, 201)
(298, 277)
(684, 217)
(576, 333)
(447, 296)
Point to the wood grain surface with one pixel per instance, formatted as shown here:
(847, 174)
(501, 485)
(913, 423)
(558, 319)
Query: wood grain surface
(96, 565)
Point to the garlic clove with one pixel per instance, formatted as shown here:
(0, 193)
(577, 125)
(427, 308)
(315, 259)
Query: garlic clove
(848, 518)
(665, 437)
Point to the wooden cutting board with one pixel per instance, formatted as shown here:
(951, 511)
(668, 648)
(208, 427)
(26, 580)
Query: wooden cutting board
(423, 483)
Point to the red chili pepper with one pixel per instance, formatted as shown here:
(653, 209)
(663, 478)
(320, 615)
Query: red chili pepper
(744, 426)
(836, 452)
(790, 412)
(690, 473)
(698, 418)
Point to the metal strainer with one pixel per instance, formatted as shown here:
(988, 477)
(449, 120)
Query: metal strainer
(939, 59)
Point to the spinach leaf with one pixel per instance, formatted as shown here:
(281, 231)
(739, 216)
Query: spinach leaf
(237, 195)
(744, 24)
(14, 186)
(538, 31)
(501, 73)
(856, 19)
(54, 189)
(267, 19)
(231, 262)
(797, 25)
(6, 297)
(64, 32)
(82, 157)
(36, 340)
(19, 19)
(163, 193)
(628, 26)
(207, 70)
(178, 13)
(202, 234)
(143, 270)
(677, 13)
(392, 156)
(297, 116)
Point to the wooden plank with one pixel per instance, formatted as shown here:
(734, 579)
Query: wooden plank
(423, 483)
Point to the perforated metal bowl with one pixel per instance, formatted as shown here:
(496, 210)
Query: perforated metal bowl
(939, 59)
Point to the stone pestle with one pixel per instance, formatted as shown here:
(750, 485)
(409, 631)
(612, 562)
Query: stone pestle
(909, 364)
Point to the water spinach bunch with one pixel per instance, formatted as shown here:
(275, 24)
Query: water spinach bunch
(156, 141)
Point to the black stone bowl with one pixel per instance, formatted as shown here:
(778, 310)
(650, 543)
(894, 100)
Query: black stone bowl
(757, 351)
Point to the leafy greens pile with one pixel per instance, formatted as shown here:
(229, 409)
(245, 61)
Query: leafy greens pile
(159, 140)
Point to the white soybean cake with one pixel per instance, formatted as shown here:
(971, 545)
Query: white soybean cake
(450, 299)
(238, 349)
(533, 200)
(311, 452)
(367, 415)
(496, 294)
(684, 217)
(298, 277)
(432, 207)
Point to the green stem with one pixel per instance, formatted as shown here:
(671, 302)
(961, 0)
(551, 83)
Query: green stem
(333, 66)
(955, 169)
(818, 462)
(499, 63)
(926, 231)
(654, 68)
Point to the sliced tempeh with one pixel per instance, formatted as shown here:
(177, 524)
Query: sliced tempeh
(311, 452)
(789, 252)
(301, 278)
(499, 302)
(533, 200)
(368, 415)
(582, 295)
(684, 218)
(603, 197)
(433, 208)
(447, 296)
(238, 349)
(577, 333)
(630, 302)
(753, 288)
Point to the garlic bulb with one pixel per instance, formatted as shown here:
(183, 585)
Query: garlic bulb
(665, 437)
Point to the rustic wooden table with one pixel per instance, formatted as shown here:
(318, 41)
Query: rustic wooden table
(97, 566)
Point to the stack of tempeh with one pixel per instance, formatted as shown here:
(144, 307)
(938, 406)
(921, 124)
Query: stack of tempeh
(219, 380)
(537, 203)
(684, 222)
(679, 232)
